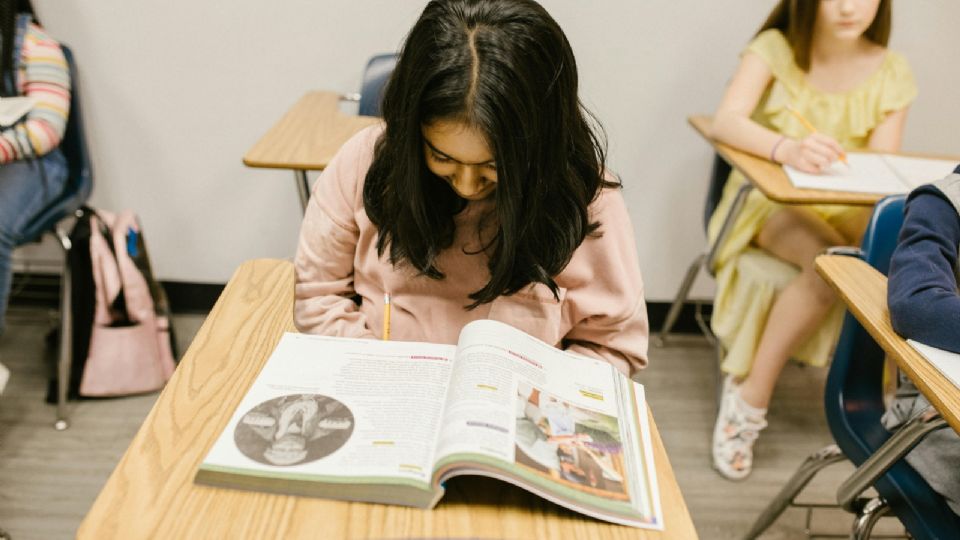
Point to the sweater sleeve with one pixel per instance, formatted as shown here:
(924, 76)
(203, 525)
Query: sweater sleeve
(324, 263)
(605, 292)
(922, 287)
(46, 78)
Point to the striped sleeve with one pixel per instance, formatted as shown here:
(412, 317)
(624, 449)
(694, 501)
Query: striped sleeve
(44, 76)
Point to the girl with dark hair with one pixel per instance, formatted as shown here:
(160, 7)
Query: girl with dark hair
(33, 171)
(826, 60)
(482, 195)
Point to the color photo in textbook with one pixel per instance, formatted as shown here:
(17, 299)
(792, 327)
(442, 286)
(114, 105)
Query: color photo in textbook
(569, 444)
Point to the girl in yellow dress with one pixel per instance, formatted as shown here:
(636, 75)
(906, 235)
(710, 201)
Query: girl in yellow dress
(828, 61)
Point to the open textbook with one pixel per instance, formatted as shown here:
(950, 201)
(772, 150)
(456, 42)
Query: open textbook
(390, 422)
(947, 362)
(874, 173)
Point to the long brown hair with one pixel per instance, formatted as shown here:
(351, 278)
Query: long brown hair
(796, 19)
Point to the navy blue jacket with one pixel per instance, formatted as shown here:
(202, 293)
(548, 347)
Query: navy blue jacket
(922, 287)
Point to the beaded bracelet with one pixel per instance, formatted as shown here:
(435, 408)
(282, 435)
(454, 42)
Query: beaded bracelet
(773, 151)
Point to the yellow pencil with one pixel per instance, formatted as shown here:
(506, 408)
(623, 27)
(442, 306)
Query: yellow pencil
(386, 316)
(806, 123)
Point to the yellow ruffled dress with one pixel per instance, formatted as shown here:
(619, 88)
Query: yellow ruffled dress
(748, 278)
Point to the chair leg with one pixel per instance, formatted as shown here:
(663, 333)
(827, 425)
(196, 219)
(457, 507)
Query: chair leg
(303, 188)
(807, 470)
(704, 324)
(681, 297)
(64, 358)
(865, 521)
(705, 260)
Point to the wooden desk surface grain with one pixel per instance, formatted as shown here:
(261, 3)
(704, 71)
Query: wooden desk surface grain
(151, 493)
(865, 292)
(770, 179)
(308, 135)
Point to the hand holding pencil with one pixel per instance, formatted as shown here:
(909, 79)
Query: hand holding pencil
(815, 152)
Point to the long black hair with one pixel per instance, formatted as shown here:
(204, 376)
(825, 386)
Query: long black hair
(504, 68)
(9, 9)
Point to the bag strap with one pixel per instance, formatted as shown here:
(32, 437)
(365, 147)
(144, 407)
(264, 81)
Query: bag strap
(119, 314)
(141, 259)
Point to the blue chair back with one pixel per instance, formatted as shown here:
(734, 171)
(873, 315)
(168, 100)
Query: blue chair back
(854, 398)
(718, 180)
(74, 148)
(375, 78)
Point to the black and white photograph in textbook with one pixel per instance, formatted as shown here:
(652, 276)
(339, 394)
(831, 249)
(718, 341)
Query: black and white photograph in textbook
(294, 429)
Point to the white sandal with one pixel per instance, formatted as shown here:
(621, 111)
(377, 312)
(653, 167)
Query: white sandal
(738, 426)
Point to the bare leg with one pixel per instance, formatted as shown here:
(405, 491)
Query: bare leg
(795, 235)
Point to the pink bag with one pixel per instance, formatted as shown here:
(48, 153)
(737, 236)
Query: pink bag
(130, 350)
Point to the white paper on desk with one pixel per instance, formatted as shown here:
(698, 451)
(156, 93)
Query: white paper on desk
(867, 173)
(873, 173)
(946, 362)
(915, 171)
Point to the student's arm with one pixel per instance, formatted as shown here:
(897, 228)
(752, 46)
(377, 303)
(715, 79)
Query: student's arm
(323, 292)
(922, 289)
(605, 291)
(732, 123)
(46, 79)
(886, 137)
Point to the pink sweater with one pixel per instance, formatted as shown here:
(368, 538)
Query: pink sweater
(601, 312)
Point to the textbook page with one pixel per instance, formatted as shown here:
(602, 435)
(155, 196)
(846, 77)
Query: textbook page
(915, 172)
(571, 428)
(329, 409)
(946, 362)
(866, 173)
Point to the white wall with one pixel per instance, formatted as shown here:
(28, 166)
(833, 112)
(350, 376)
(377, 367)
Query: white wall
(175, 92)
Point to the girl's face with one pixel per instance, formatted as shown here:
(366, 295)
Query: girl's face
(459, 154)
(845, 19)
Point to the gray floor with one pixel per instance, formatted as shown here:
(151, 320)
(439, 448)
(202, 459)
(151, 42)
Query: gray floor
(49, 479)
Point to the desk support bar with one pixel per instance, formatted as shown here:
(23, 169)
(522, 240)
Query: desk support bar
(732, 215)
(705, 260)
(808, 469)
(303, 188)
(897, 446)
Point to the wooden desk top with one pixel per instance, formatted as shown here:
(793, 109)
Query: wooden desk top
(308, 136)
(151, 493)
(770, 179)
(865, 292)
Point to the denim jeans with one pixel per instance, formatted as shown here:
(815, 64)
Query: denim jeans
(24, 194)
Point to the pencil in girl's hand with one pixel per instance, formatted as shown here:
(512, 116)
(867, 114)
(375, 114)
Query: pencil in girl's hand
(806, 123)
(386, 316)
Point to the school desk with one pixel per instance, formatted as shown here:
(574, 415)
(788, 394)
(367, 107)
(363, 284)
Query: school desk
(306, 138)
(769, 177)
(773, 182)
(864, 290)
(151, 493)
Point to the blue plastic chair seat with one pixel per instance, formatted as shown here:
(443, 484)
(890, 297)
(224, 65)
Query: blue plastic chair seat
(375, 78)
